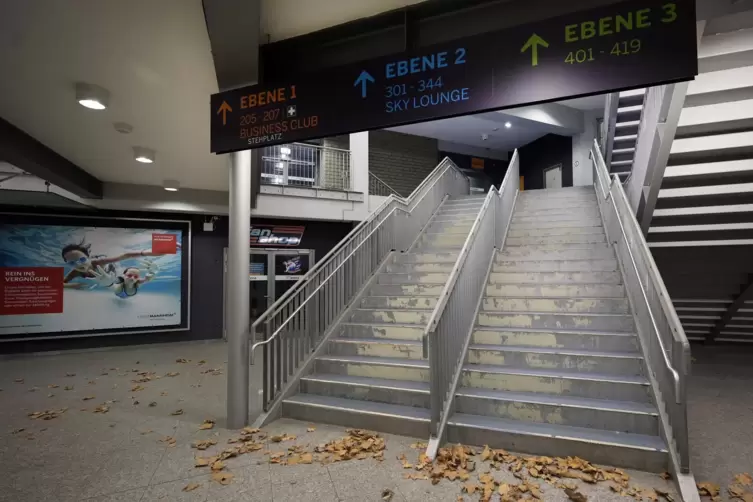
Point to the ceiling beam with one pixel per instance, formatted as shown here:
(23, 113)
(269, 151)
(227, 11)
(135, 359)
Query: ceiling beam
(28, 154)
(745, 295)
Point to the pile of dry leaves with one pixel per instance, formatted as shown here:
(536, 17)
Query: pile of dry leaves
(740, 489)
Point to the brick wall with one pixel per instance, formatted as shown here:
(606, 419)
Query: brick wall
(401, 160)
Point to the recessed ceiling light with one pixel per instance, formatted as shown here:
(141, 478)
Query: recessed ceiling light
(123, 127)
(495, 129)
(143, 155)
(171, 185)
(92, 96)
(508, 125)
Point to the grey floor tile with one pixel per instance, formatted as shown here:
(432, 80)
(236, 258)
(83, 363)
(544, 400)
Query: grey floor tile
(126, 496)
(363, 480)
(125, 469)
(173, 491)
(250, 482)
(317, 488)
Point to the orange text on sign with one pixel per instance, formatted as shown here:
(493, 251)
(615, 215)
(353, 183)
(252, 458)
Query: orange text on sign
(268, 97)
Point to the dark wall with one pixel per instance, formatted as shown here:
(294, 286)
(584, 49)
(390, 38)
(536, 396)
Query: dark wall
(206, 286)
(402, 160)
(494, 169)
(545, 152)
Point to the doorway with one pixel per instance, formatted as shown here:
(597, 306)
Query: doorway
(271, 273)
(553, 176)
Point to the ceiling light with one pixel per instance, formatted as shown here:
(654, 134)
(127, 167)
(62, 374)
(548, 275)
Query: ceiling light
(508, 125)
(123, 127)
(92, 96)
(495, 129)
(171, 185)
(285, 150)
(143, 155)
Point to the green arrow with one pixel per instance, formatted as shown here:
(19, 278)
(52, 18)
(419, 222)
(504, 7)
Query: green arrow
(533, 44)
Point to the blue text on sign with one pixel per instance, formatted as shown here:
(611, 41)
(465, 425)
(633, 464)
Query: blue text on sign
(421, 64)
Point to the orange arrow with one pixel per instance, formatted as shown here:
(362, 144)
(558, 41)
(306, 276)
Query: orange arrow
(224, 108)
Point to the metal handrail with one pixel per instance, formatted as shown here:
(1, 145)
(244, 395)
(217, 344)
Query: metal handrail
(608, 196)
(381, 182)
(275, 307)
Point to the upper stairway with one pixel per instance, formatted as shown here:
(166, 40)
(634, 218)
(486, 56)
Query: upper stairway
(554, 365)
(627, 124)
(372, 373)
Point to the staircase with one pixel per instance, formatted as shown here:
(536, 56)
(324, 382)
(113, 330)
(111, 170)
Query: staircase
(554, 366)
(629, 110)
(373, 374)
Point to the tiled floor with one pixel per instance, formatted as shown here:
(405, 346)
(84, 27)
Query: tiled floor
(120, 456)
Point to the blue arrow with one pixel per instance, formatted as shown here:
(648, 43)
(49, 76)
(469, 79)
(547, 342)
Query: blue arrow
(364, 78)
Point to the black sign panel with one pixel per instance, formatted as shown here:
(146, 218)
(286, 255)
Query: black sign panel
(625, 45)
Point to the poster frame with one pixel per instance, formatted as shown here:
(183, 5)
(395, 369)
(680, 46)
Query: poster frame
(117, 331)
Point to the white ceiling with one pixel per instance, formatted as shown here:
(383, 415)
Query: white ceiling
(282, 19)
(153, 56)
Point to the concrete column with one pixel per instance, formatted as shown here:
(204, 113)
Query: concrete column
(237, 313)
(359, 155)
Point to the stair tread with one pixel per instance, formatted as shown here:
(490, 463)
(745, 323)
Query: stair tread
(623, 439)
(555, 350)
(575, 314)
(553, 284)
(547, 373)
(560, 400)
(408, 385)
(376, 340)
(357, 406)
(553, 330)
(381, 324)
(384, 361)
(399, 296)
(398, 309)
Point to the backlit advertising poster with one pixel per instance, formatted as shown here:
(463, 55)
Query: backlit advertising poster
(91, 275)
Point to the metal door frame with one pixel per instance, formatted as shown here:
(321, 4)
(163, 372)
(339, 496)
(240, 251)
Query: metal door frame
(271, 279)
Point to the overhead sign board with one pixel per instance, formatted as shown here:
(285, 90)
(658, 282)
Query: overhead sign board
(625, 45)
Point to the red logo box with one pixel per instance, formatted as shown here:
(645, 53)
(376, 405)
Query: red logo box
(164, 243)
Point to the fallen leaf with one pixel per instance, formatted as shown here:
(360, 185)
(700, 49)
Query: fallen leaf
(418, 446)
(135, 403)
(735, 491)
(172, 374)
(102, 408)
(50, 395)
(191, 487)
(708, 489)
(665, 495)
(70, 374)
(181, 360)
(208, 424)
(201, 362)
(282, 437)
(53, 386)
(92, 382)
(415, 476)
(203, 444)
(217, 465)
(19, 380)
(311, 429)
(223, 478)
(68, 387)
(163, 393)
(17, 431)
(87, 398)
(153, 404)
(470, 488)
(744, 479)
(575, 496)
(146, 431)
(47, 414)
(177, 412)
(169, 441)
(387, 494)
(137, 388)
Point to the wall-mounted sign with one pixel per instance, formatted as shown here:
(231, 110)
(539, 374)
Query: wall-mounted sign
(477, 163)
(632, 44)
(276, 235)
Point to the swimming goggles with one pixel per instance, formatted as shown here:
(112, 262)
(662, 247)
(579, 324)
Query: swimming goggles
(79, 261)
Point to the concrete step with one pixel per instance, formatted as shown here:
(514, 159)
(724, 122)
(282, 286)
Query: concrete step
(477, 202)
(378, 390)
(564, 305)
(416, 370)
(539, 224)
(564, 339)
(542, 253)
(557, 201)
(555, 278)
(459, 211)
(446, 257)
(424, 247)
(583, 361)
(608, 265)
(406, 289)
(556, 239)
(454, 218)
(393, 316)
(448, 227)
(443, 239)
(556, 290)
(408, 268)
(558, 192)
(376, 347)
(635, 451)
(555, 215)
(389, 331)
(391, 418)
(400, 302)
(620, 323)
(550, 381)
(413, 278)
(579, 219)
(601, 414)
(546, 232)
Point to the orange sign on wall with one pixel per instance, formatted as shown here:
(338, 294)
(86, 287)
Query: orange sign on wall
(477, 163)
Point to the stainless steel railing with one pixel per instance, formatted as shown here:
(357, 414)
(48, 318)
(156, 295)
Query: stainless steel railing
(663, 339)
(296, 323)
(448, 333)
(379, 187)
(304, 165)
